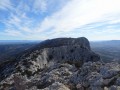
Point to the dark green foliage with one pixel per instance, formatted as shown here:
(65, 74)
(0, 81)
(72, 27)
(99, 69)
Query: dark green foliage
(69, 62)
(71, 50)
(44, 84)
(50, 57)
(63, 57)
(78, 65)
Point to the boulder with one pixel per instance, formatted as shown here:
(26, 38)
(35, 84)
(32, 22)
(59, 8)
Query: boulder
(114, 87)
(118, 81)
(56, 86)
(110, 69)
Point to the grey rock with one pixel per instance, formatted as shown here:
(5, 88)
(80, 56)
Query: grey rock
(118, 81)
(110, 69)
(107, 82)
(95, 79)
(79, 87)
(105, 88)
(56, 86)
(114, 87)
(96, 88)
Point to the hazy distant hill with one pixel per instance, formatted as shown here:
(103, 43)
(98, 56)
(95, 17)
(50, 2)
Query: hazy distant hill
(108, 50)
(10, 48)
(4, 42)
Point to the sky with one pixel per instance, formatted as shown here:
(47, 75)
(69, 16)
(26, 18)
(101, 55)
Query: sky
(47, 19)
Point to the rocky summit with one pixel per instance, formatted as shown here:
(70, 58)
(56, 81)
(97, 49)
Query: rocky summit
(59, 64)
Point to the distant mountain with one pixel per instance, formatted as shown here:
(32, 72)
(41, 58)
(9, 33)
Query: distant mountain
(110, 43)
(4, 42)
(108, 50)
(10, 49)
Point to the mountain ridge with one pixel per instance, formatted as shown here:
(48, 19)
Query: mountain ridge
(60, 64)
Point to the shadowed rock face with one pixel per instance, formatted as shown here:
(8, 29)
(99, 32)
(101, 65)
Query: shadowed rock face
(82, 41)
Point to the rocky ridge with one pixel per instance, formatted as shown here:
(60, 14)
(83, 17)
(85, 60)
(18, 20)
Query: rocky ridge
(60, 64)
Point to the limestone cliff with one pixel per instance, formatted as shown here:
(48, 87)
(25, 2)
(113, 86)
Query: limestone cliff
(60, 64)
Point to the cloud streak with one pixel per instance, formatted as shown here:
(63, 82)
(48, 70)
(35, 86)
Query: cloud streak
(39, 6)
(5, 4)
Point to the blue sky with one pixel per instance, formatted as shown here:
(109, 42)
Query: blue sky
(46, 19)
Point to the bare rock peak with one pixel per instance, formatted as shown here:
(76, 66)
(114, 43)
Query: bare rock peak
(65, 42)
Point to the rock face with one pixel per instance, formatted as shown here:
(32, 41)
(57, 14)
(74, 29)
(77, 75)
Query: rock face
(60, 64)
(62, 50)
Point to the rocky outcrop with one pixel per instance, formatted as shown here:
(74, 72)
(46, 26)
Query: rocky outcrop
(74, 51)
(61, 64)
(91, 76)
(66, 77)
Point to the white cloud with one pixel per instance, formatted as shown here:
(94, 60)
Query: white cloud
(78, 13)
(13, 32)
(39, 6)
(18, 25)
(5, 4)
